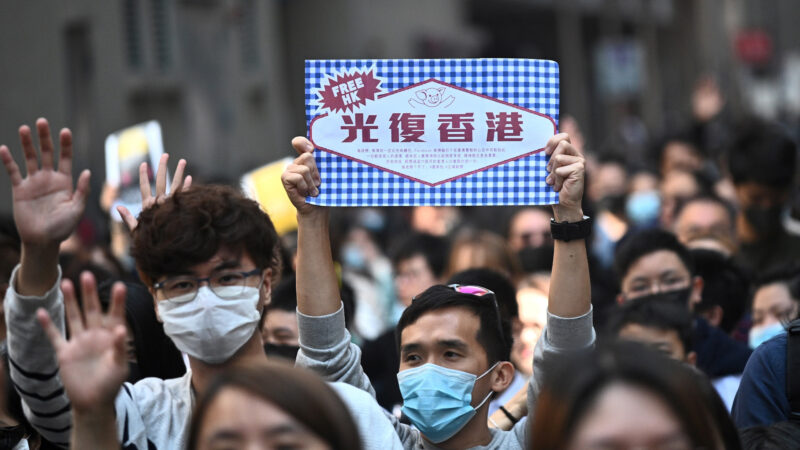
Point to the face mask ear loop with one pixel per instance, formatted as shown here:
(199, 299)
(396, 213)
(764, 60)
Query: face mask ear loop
(490, 391)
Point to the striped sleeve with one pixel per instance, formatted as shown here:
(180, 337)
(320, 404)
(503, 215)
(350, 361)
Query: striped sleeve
(32, 361)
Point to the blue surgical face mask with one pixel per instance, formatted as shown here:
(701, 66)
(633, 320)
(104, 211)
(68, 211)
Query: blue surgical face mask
(353, 257)
(438, 400)
(759, 335)
(642, 207)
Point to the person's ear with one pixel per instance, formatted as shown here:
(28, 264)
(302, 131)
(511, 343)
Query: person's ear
(691, 358)
(696, 294)
(502, 376)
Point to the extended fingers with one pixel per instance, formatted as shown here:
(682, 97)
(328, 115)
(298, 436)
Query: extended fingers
(116, 312)
(161, 175)
(120, 336)
(74, 319)
(45, 143)
(50, 329)
(127, 217)
(82, 188)
(177, 180)
(144, 182)
(91, 302)
(11, 166)
(25, 138)
(65, 160)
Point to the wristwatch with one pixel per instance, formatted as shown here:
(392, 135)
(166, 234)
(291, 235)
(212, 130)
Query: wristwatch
(570, 231)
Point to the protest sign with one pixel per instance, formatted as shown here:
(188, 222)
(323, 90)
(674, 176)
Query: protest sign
(457, 132)
(264, 186)
(125, 151)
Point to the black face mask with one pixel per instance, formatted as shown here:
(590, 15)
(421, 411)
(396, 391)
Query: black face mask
(766, 221)
(10, 437)
(677, 296)
(614, 203)
(286, 352)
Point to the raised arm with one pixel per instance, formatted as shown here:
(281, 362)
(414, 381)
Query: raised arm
(46, 211)
(317, 285)
(570, 291)
(569, 319)
(92, 363)
(325, 345)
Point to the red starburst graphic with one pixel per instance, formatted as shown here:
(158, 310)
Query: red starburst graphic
(349, 91)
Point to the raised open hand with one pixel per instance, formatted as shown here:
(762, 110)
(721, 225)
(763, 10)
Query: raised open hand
(148, 199)
(301, 178)
(46, 209)
(567, 169)
(93, 362)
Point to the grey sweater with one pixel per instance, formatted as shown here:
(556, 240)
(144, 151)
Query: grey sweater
(325, 347)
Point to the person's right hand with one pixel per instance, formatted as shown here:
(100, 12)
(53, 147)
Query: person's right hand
(178, 183)
(301, 178)
(93, 363)
(46, 209)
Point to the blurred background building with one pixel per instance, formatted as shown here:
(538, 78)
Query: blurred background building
(225, 77)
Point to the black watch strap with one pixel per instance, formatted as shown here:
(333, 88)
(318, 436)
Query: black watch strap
(570, 231)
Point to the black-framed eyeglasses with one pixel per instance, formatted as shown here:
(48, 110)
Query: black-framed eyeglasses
(480, 291)
(182, 289)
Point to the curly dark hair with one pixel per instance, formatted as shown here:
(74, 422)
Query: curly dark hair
(191, 226)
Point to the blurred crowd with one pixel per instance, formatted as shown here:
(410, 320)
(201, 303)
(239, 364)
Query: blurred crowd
(694, 253)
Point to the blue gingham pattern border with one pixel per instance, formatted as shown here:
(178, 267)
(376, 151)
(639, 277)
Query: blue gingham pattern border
(528, 83)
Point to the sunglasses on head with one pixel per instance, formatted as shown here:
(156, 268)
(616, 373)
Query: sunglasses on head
(480, 291)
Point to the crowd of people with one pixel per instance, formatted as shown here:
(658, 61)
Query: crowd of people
(655, 306)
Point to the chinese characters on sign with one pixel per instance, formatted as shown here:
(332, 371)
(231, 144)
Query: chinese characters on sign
(406, 127)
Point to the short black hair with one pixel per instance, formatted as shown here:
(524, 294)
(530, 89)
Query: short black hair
(788, 274)
(638, 244)
(496, 342)
(762, 153)
(501, 285)
(708, 197)
(725, 285)
(434, 249)
(654, 313)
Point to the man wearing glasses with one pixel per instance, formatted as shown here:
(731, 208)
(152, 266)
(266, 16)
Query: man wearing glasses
(207, 255)
(454, 348)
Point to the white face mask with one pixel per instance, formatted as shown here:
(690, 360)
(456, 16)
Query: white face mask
(211, 328)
